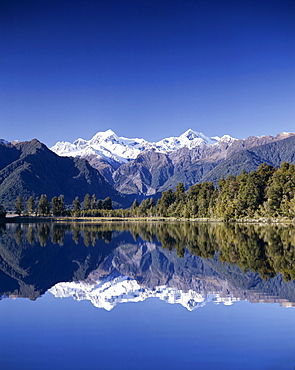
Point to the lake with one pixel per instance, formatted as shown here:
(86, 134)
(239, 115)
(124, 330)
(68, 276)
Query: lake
(147, 296)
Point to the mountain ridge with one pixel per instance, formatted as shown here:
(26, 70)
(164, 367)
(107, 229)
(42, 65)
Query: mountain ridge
(112, 147)
(191, 166)
(146, 168)
(31, 169)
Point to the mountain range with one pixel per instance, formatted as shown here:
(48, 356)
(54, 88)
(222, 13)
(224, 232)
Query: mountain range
(136, 166)
(107, 145)
(122, 168)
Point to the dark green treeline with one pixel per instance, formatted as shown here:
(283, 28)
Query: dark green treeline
(266, 192)
(57, 207)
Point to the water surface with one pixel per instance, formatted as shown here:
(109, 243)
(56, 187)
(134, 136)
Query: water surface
(147, 296)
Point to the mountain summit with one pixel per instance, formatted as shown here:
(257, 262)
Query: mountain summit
(112, 148)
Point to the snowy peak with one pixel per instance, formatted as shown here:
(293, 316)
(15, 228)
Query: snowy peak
(189, 139)
(107, 136)
(111, 147)
(193, 135)
(225, 139)
(80, 143)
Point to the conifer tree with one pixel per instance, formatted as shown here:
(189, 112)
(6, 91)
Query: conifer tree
(146, 205)
(19, 205)
(62, 206)
(44, 206)
(107, 204)
(31, 205)
(180, 192)
(58, 205)
(134, 204)
(87, 202)
(93, 202)
(55, 206)
(167, 199)
(76, 204)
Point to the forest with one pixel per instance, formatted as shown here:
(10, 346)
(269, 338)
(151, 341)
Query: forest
(268, 192)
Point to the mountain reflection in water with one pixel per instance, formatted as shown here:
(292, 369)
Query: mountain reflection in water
(186, 263)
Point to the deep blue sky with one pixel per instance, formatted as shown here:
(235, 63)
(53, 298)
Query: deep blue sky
(146, 68)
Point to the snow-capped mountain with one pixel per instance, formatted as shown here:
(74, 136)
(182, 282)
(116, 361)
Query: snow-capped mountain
(107, 145)
(136, 166)
(107, 292)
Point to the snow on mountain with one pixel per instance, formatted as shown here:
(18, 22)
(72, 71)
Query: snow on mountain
(189, 139)
(107, 145)
(225, 139)
(106, 293)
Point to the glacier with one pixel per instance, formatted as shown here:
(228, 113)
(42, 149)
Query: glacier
(109, 146)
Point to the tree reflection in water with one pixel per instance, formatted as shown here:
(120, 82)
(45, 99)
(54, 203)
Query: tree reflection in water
(35, 256)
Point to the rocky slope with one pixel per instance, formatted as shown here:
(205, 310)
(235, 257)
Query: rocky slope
(135, 166)
(30, 168)
(142, 167)
(272, 151)
(153, 172)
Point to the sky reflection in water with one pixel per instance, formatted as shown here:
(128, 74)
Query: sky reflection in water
(110, 267)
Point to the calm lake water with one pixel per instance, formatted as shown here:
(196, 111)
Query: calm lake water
(147, 296)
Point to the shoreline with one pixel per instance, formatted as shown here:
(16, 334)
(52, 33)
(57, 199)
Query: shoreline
(260, 220)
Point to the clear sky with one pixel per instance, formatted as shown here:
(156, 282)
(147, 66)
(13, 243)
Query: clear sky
(146, 68)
